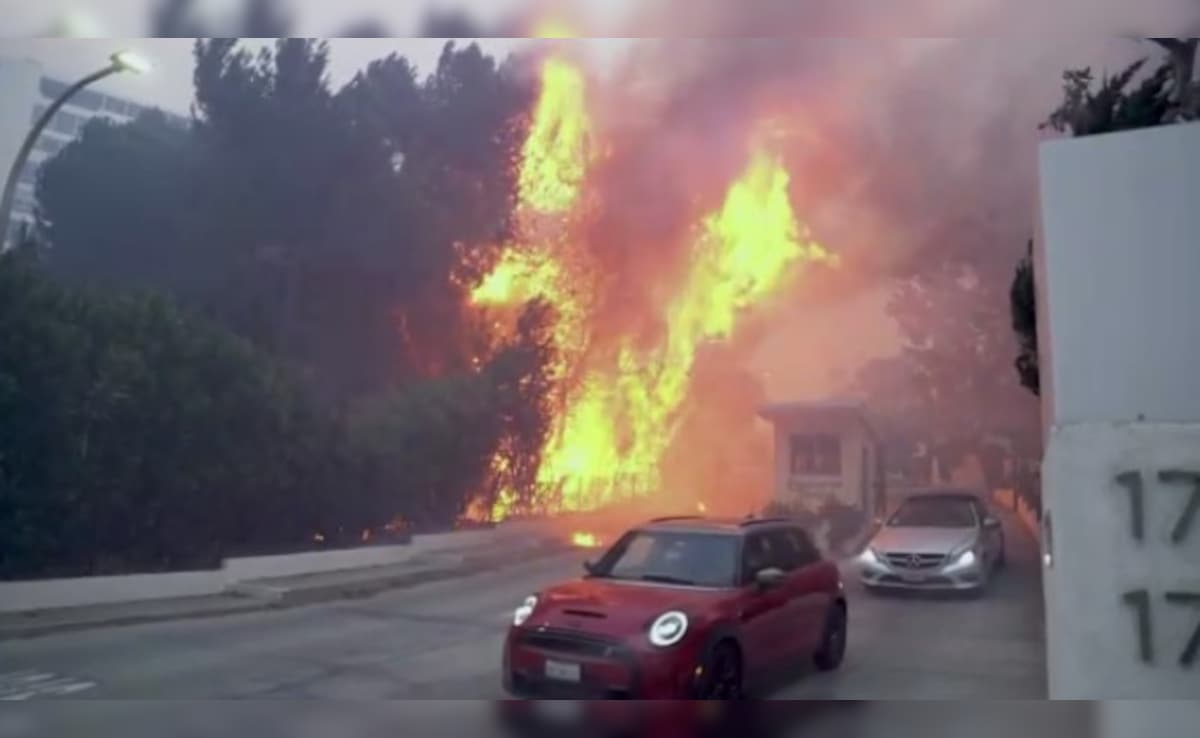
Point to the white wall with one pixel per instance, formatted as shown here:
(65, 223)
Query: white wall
(1118, 260)
(54, 593)
(268, 567)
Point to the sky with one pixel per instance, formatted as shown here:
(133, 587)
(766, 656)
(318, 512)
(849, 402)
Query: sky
(169, 84)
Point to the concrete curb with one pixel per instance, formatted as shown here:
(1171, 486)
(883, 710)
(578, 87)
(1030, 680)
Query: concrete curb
(252, 597)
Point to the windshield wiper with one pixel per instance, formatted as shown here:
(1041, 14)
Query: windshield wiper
(663, 579)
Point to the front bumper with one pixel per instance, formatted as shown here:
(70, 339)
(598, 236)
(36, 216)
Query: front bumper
(608, 669)
(877, 574)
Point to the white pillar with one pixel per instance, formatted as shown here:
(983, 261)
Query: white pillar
(1118, 271)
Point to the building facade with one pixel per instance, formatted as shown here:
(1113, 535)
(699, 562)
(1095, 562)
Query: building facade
(27, 92)
(826, 452)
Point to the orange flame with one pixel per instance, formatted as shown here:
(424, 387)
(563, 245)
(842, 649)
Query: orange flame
(620, 409)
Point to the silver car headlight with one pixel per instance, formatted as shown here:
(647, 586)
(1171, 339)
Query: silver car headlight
(966, 558)
(668, 629)
(869, 556)
(963, 556)
(525, 611)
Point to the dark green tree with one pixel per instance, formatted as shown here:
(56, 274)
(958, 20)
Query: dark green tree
(138, 436)
(118, 229)
(1023, 309)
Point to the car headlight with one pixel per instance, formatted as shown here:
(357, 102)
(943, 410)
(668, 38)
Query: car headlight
(668, 629)
(963, 558)
(524, 611)
(869, 557)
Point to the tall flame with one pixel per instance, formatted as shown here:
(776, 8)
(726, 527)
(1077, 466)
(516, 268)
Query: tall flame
(620, 406)
(556, 152)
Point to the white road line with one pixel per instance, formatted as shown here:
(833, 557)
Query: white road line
(17, 697)
(25, 685)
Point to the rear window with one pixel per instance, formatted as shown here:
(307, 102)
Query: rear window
(672, 557)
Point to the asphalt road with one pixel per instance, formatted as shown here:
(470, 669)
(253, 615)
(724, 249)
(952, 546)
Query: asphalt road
(441, 641)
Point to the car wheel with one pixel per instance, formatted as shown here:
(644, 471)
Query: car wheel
(723, 674)
(833, 642)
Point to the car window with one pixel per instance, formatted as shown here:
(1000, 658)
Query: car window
(636, 553)
(702, 559)
(784, 552)
(934, 513)
(756, 556)
(806, 551)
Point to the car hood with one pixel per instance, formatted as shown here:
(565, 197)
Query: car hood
(922, 540)
(617, 608)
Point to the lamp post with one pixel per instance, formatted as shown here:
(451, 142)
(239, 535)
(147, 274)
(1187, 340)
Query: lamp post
(122, 61)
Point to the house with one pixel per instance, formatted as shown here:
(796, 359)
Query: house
(826, 451)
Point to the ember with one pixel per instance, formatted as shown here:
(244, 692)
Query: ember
(581, 539)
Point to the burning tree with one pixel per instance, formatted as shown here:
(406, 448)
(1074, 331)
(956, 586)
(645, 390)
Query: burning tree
(618, 395)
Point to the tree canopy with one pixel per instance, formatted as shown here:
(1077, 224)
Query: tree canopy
(256, 341)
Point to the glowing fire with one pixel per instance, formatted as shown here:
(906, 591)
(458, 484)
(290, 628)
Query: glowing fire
(581, 539)
(555, 156)
(701, 508)
(619, 404)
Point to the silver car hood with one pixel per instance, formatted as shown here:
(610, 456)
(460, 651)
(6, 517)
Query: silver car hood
(922, 540)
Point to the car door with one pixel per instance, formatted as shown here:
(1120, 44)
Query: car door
(760, 611)
(790, 626)
(808, 589)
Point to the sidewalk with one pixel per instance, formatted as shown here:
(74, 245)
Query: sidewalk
(285, 592)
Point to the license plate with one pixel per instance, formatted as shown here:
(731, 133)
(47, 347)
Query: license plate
(563, 672)
(913, 578)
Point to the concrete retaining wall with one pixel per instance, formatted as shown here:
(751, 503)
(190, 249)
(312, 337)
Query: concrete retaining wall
(58, 593)
(84, 591)
(286, 565)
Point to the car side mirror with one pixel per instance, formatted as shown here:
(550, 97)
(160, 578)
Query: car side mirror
(770, 578)
(990, 522)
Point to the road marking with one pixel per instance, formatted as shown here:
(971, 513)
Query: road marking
(25, 685)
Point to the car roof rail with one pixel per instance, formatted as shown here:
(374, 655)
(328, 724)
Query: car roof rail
(761, 521)
(670, 518)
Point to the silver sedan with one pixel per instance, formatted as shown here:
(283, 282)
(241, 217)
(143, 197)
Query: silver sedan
(946, 540)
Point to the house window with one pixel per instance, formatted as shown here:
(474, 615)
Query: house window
(816, 454)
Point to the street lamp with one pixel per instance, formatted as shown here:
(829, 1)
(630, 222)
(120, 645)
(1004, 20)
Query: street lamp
(122, 61)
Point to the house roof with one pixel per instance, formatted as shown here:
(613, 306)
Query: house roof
(853, 410)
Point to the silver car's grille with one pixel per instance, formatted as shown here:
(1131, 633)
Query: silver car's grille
(901, 560)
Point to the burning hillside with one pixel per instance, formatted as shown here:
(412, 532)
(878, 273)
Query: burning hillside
(622, 394)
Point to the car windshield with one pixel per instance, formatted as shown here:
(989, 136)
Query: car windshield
(934, 513)
(668, 557)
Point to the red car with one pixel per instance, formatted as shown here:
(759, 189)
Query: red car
(682, 608)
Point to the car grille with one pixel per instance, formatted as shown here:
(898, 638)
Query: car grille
(910, 561)
(571, 643)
